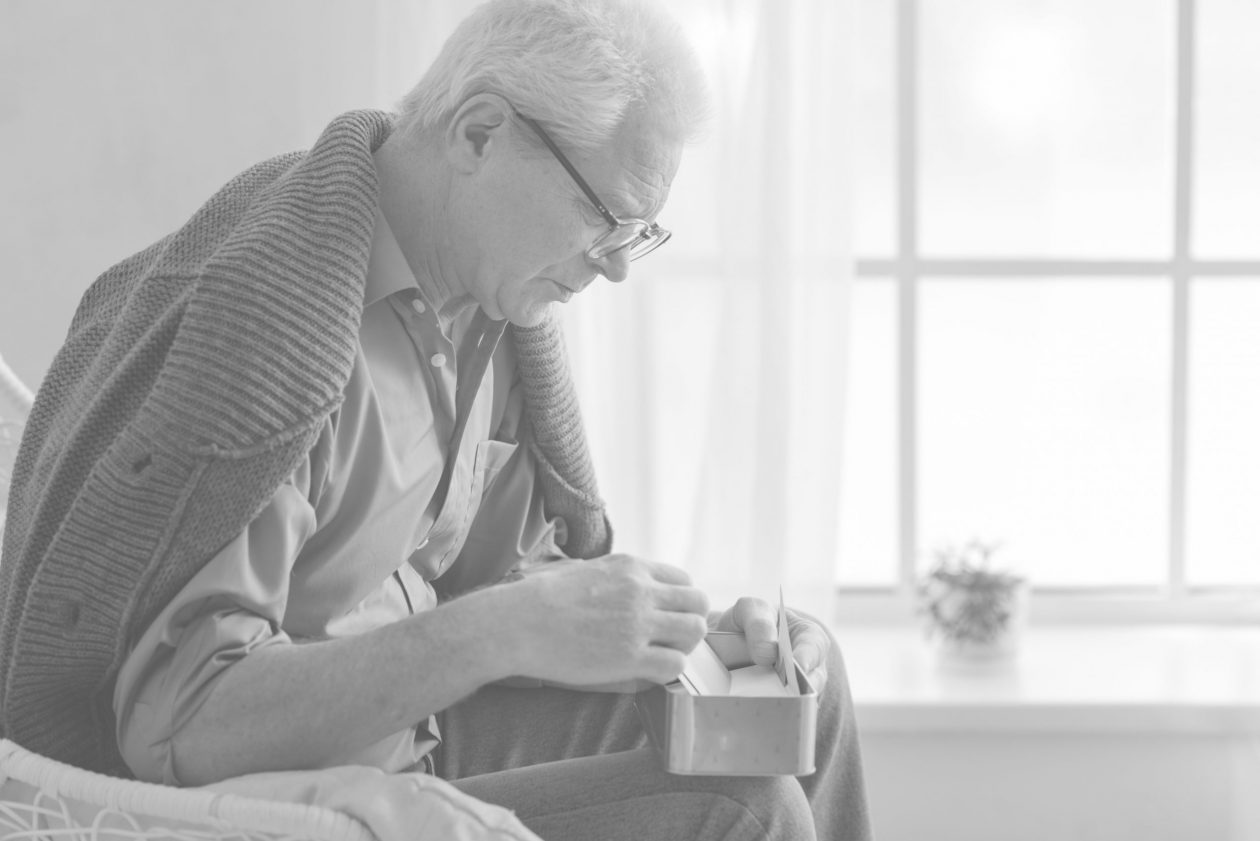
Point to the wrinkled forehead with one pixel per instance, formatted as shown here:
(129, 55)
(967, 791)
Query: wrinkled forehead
(636, 170)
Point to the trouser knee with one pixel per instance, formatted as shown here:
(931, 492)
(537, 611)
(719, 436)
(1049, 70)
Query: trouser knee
(775, 808)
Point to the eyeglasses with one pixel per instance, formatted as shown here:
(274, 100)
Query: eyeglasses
(639, 236)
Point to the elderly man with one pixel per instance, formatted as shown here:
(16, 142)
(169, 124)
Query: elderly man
(284, 450)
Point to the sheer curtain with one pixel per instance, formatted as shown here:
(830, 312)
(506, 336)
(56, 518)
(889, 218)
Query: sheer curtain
(713, 381)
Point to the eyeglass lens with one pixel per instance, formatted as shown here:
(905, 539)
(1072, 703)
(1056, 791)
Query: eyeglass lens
(639, 237)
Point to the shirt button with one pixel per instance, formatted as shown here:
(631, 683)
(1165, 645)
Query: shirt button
(417, 305)
(437, 360)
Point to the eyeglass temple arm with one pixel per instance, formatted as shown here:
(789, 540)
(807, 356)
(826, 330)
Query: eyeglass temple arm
(573, 173)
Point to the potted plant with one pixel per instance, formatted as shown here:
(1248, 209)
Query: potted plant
(973, 611)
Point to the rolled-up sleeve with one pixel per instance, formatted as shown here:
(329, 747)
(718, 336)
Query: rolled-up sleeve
(233, 606)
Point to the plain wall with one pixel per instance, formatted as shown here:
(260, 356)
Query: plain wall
(1062, 786)
(118, 119)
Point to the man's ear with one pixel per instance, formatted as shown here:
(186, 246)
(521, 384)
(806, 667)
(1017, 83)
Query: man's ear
(478, 128)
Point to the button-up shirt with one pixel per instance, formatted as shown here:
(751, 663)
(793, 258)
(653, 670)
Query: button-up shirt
(417, 472)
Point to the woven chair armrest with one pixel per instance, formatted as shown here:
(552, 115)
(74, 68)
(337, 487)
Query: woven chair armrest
(40, 793)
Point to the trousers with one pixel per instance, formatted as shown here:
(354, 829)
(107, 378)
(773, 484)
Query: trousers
(577, 766)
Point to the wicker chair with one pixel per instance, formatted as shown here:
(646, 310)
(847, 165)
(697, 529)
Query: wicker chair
(50, 801)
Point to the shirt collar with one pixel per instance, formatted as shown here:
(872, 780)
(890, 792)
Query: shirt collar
(388, 271)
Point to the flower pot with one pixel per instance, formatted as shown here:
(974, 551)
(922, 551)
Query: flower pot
(977, 627)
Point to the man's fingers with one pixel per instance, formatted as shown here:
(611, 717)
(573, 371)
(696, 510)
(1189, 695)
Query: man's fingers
(808, 655)
(810, 641)
(661, 664)
(756, 619)
(818, 678)
(810, 646)
(667, 574)
(683, 600)
(680, 631)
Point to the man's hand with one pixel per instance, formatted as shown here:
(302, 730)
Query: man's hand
(606, 621)
(757, 621)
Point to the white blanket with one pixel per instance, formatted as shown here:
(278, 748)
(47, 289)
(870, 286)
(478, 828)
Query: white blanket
(395, 807)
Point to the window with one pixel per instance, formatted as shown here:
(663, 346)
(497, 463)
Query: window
(1055, 342)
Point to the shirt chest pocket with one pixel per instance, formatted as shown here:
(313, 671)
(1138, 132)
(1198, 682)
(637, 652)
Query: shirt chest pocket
(463, 498)
(491, 458)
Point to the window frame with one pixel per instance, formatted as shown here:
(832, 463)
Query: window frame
(907, 269)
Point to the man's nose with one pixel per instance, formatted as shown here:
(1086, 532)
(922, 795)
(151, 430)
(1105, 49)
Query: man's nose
(614, 266)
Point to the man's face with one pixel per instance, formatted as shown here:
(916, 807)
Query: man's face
(535, 224)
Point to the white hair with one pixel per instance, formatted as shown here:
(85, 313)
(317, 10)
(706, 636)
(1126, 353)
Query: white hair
(579, 67)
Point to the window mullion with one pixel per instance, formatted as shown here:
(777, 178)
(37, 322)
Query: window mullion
(1184, 145)
(907, 279)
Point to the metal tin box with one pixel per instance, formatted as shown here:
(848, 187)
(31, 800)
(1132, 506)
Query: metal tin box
(732, 735)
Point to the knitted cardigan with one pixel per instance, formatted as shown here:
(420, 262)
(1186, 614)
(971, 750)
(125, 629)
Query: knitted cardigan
(195, 377)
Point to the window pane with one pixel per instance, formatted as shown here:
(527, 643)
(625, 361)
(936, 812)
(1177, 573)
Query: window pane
(1227, 194)
(868, 496)
(1223, 527)
(1044, 425)
(875, 140)
(1046, 128)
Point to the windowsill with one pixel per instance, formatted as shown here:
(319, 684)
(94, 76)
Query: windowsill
(1166, 679)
